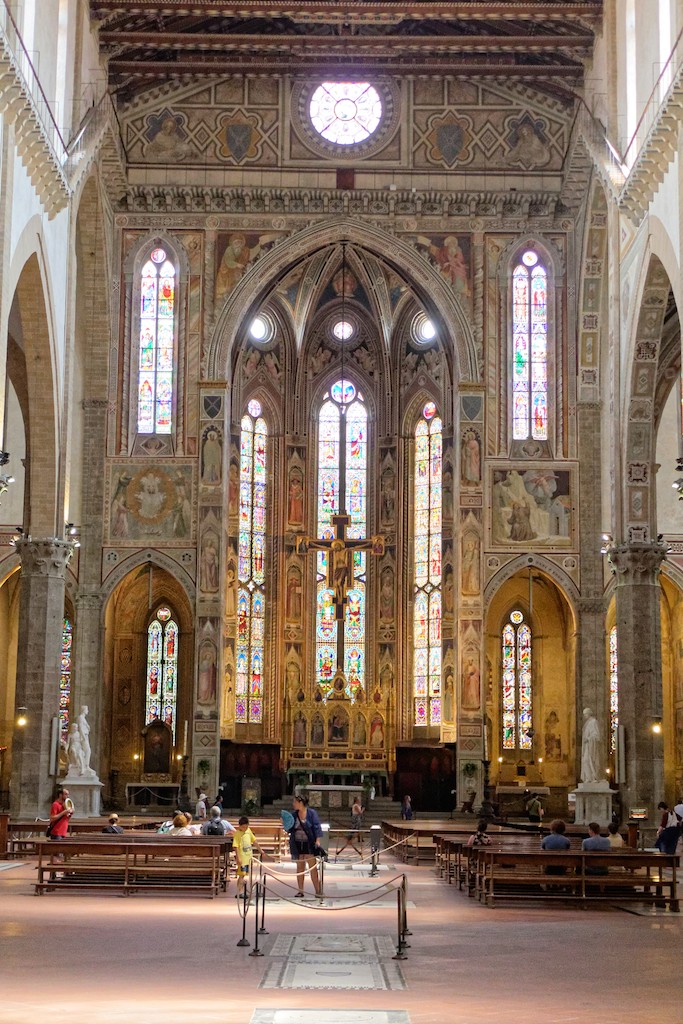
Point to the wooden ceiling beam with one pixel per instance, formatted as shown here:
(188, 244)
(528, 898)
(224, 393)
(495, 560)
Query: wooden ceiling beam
(245, 63)
(348, 10)
(213, 41)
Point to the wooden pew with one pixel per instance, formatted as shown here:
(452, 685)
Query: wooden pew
(502, 872)
(134, 863)
(22, 835)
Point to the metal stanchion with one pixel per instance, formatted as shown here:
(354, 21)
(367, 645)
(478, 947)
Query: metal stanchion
(406, 929)
(400, 955)
(262, 929)
(375, 841)
(256, 951)
(244, 941)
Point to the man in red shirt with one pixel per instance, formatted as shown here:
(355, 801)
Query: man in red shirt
(60, 814)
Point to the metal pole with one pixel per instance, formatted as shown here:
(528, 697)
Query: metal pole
(256, 951)
(400, 955)
(262, 929)
(244, 941)
(406, 929)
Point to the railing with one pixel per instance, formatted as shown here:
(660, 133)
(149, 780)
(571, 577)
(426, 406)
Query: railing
(601, 149)
(90, 129)
(13, 44)
(655, 101)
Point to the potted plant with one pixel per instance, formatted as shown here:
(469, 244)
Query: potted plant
(469, 769)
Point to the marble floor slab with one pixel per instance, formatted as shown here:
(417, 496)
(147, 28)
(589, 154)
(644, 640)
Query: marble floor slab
(324, 973)
(333, 945)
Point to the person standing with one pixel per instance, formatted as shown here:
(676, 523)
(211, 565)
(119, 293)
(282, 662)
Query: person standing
(534, 809)
(407, 809)
(304, 843)
(60, 812)
(200, 806)
(243, 843)
(356, 826)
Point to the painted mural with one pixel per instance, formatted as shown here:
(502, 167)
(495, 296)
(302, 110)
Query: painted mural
(149, 501)
(531, 506)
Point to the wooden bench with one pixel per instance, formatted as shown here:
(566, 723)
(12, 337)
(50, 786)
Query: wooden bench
(22, 835)
(134, 863)
(616, 875)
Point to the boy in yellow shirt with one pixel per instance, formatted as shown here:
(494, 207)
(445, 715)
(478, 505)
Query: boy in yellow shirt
(243, 843)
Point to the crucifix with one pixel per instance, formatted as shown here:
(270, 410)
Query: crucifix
(340, 550)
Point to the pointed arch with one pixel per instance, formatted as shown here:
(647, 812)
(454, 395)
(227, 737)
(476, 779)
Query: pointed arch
(438, 299)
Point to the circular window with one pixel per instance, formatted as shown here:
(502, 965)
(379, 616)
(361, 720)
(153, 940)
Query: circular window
(343, 392)
(345, 113)
(163, 614)
(254, 408)
(423, 329)
(516, 618)
(345, 120)
(530, 259)
(258, 329)
(158, 255)
(429, 411)
(342, 330)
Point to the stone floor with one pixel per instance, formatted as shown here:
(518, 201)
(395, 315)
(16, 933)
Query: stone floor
(70, 959)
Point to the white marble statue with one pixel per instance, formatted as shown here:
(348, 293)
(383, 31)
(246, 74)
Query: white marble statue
(590, 748)
(84, 735)
(74, 750)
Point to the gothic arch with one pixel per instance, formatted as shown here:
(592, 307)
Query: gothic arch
(639, 505)
(438, 299)
(148, 557)
(534, 561)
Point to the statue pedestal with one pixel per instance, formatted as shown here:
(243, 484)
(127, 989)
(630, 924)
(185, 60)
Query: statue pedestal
(593, 803)
(85, 791)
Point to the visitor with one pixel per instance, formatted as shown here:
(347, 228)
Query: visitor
(200, 807)
(615, 840)
(60, 812)
(356, 826)
(113, 826)
(597, 843)
(216, 826)
(556, 841)
(218, 802)
(480, 837)
(407, 809)
(668, 817)
(667, 839)
(488, 810)
(304, 843)
(179, 828)
(468, 802)
(243, 843)
(534, 809)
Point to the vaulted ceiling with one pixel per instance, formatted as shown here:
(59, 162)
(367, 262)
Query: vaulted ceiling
(543, 44)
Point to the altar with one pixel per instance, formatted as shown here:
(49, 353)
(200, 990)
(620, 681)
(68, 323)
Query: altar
(332, 798)
(152, 794)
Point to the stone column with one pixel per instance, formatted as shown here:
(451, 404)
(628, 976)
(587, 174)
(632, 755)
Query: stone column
(636, 568)
(41, 611)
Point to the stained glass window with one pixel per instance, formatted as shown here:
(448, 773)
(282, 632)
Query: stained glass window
(427, 569)
(345, 112)
(342, 485)
(156, 344)
(516, 696)
(161, 693)
(251, 572)
(65, 679)
(613, 690)
(529, 349)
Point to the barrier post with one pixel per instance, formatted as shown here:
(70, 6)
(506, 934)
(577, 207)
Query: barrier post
(244, 941)
(256, 951)
(375, 841)
(400, 955)
(406, 929)
(262, 929)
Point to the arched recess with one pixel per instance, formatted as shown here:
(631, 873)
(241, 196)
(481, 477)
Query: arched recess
(438, 299)
(9, 635)
(639, 523)
(548, 611)
(127, 614)
(41, 393)
(671, 612)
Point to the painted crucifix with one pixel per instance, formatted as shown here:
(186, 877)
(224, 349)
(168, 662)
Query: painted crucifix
(340, 550)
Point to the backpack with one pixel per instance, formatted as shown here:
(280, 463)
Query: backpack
(215, 828)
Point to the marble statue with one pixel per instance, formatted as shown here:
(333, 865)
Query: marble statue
(84, 732)
(74, 749)
(590, 748)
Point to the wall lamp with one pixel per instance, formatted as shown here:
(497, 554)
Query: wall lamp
(22, 717)
(73, 533)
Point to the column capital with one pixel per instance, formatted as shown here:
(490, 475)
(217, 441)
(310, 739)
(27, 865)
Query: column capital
(636, 563)
(46, 556)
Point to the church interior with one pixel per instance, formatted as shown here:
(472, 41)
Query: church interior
(341, 440)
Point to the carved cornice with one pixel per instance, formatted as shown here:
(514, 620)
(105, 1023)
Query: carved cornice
(591, 606)
(537, 208)
(636, 563)
(48, 556)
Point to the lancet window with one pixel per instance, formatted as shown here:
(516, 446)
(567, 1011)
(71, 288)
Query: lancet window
(251, 569)
(161, 693)
(613, 690)
(517, 684)
(342, 486)
(427, 568)
(529, 349)
(65, 678)
(156, 344)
